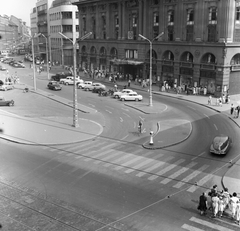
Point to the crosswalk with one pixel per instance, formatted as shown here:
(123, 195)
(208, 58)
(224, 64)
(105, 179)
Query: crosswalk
(147, 164)
(197, 224)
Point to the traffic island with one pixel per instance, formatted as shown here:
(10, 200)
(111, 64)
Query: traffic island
(170, 132)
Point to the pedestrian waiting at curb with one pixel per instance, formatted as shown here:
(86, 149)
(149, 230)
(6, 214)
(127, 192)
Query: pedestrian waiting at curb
(210, 100)
(232, 109)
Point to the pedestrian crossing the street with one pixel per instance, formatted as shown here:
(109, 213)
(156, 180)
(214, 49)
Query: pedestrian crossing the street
(196, 224)
(142, 163)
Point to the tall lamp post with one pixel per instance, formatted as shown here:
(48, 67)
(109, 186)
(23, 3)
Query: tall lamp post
(75, 104)
(46, 55)
(33, 57)
(150, 74)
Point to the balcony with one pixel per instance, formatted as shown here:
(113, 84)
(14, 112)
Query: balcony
(42, 12)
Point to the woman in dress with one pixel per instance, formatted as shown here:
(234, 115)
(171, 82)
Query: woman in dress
(202, 207)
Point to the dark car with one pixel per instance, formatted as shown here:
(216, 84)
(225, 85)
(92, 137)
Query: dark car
(3, 68)
(54, 85)
(60, 75)
(221, 145)
(4, 102)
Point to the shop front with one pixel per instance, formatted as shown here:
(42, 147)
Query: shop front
(168, 73)
(208, 80)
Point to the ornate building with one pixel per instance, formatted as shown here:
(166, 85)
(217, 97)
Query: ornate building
(199, 47)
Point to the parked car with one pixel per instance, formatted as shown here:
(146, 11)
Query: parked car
(84, 84)
(4, 102)
(96, 86)
(60, 75)
(18, 65)
(3, 68)
(70, 81)
(118, 94)
(221, 145)
(131, 96)
(6, 86)
(54, 85)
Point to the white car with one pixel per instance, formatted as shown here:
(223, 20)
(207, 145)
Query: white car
(96, 86)
(118, 94)
(84, 84)
(70, 81)
(6, 86)
(131, 96)
(63, 79)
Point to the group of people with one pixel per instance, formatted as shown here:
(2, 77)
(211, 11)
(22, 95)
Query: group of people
(234, 111)
(218, 201)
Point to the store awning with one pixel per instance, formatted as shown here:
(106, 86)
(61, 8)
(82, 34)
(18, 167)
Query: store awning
(125, 62)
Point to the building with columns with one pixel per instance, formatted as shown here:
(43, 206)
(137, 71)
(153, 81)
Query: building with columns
(199, 47)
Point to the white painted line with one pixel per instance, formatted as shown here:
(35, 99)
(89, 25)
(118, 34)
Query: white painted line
(157, 165)
(191, 228)
(209, 224)
(129, 162)
(191, 176)
(206, 116)
(124, 137)
(101, 154)
(198, 156)
(78, 157)
(91, 105)
(168, 168)
(178, 173)
(121, 119)
(200, 183)
(125, 109)
(120, 159)
(138, 166)
(109, 111)
(215, 126)
(113, 155)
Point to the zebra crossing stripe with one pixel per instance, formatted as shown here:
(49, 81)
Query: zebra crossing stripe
(113, 155)
(125, 156)
(138, 166)
(168, 168)
(129, 162)
(97, 154)
(191, 228)
(178, 173)
(190, 176)
(209, 224)
(200, 183)
(157, 165)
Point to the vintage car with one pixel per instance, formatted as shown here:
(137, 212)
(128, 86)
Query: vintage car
(54, 85)
(220, 145)
(4, 102)
(6, 86)
(133, 96)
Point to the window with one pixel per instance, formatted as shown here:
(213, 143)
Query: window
(77, 28)
(67, 28)
(134, 20)
(155, 19)
(170, 17)
(189, 33)
(66, 15)
(170, 33)
(131, 54)
(116, 20)
(238, 14)
(190, 17)
(212, 33)
(77, 15)
(212, 18)
(84, 24)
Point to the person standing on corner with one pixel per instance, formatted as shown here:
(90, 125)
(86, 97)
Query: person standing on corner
(232, 109)
(129, 83)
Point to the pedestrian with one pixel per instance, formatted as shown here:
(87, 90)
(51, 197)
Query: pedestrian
(215, 201)
(210, 100)
(115, 87)
(202, 206)
(233, 204)
(217, 101)
(235, 112)
(129, 83)
(220, 102)
(238, 213)
(231, 109)
(220, 206)
(238, 110)
(226, 198)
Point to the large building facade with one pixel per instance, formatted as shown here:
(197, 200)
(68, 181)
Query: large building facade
(200, 45)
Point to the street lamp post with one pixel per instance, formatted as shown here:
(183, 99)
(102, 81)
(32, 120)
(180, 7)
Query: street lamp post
(46, 55)
(150, 74)
(75, 104)
(33, 57)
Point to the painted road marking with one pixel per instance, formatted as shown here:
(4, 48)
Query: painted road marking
(200, 183)
(129, 162)
(191, 176)
(147, 161)
(157, 165)
(191, 228)
(209, 224)
(168, 168)
(97, 154)
(178, 173)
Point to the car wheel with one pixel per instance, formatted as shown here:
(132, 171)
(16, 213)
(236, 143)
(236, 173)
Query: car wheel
(11, 103)
(116, 96)
(136, 99)
(66, 83)
(87, 89)
(122, 99)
